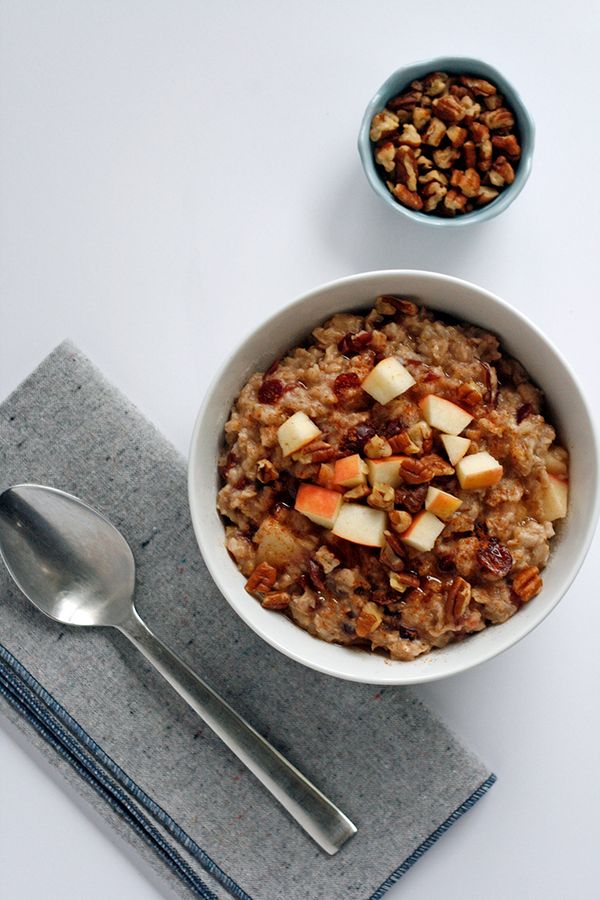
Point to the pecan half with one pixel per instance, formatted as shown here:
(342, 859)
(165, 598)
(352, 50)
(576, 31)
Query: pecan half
(498, 118)
(507, 143)
(316, 575)
(262, 579)
(458, 598)
(406, 197)
(276, 600)
(449, 109)
(468, 395)
(351, 344)
(527, 583)
(478, 85)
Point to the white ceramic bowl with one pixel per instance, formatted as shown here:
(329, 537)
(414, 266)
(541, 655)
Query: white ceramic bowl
(522, 339)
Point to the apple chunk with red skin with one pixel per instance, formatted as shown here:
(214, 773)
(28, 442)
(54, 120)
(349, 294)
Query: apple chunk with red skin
(319, 504)
(350, 471)
(361, 525)
(455, 447)
(479, 470)
(388, 379)
(444, 415)
(296, 432)
(555, 498)
(423, 532)
(440, 503)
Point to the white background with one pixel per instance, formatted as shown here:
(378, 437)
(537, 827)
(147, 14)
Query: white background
(173, 172)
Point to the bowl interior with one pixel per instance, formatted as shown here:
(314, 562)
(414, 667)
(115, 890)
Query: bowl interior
(520, 338)
(400, 80)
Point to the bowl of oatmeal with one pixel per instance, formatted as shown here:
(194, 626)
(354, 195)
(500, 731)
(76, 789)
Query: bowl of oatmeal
(395, 478)
(447, 141)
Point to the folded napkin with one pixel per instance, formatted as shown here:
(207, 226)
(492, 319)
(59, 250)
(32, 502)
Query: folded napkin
(118, 732)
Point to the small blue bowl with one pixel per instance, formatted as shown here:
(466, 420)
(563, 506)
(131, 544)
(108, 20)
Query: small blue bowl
(399, 81)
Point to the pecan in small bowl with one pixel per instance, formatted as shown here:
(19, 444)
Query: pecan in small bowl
(447, 141)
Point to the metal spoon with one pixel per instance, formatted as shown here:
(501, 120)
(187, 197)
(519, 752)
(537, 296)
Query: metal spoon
(77, 568)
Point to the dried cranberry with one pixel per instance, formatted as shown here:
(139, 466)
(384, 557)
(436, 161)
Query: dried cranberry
(494, 557)
(355, 438)
(270, 391)
(354, 343)
(411, 498)
(347, 381)
(391, 428)
(316, 575)
(523, 411)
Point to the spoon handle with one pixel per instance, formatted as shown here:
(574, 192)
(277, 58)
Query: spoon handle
(317, 815)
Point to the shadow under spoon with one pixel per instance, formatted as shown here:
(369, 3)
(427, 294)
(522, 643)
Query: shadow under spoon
(77, 568)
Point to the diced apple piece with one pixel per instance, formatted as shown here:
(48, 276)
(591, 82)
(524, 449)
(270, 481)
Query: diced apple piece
(277, 545)
(387, 380)
(318, 504)
(385, 471)
(455, 447)
(440, 503)
(480, 470)
(361, 525)
(350, 471)
(444, 415)
(296, 432)
(555, 498)
(423, 532)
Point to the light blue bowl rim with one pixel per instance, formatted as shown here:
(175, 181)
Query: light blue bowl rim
(400, 79)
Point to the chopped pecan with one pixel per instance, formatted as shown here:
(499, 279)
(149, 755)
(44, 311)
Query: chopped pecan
(385, 306)
(411, 498)
(262, 579)
(385, 155)
(458, 598)
(468, 181)
(455, 201)
(498, 118)
(434, 132)
(326, 559)
(369, 618)
(494, 101)
(351, 344)
(419, 471)
(383, 123)
(357, 493)
(445, 157)
(486, 195)
(400, 581)
(478, 85)
(377, 447)
(433, 175)
(406, 197)
(266, 471)
(527, 583)
(507, 143)
(407, 100)
(270, 391)
(484, 154)
(381, 497)
(276, 600)
(400, 520)
(403, 443)
(406, 167)
(435, 83)
(410, 136)
(395, 543)
(480, 132)
(502, 172)
(434, 193)
(468, 395)
(457, 135)
(402, 306)
(449, 109)
(494, 557)
(469, 154)
(420, 117)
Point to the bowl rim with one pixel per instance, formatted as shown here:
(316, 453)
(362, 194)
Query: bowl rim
(440, 63)
(575, 562)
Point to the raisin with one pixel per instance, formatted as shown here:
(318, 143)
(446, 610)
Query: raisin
(347, 381)
(392, 428)
(494, 557)
(523, 411)
(411, 498)
(351, 344)
(316, 575)
(355, 438)
(270, 391)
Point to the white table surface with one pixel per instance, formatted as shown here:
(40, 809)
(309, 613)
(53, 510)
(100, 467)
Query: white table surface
(170, 173)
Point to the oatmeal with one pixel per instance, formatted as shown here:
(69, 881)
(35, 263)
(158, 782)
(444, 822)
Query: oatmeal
(392, 483)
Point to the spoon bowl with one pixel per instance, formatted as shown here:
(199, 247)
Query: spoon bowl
(69, 560)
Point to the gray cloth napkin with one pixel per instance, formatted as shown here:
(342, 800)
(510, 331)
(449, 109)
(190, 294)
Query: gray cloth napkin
(377, 752)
